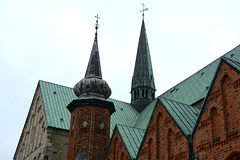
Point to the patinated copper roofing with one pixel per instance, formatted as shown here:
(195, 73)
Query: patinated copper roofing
(143, 86)
(177, 100)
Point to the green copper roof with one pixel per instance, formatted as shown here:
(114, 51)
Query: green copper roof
(132, 138)
(143, 73)
(185, 116)
(143, 118)
(125, 114)
(57, 97)
(143, 86)
(195, 87)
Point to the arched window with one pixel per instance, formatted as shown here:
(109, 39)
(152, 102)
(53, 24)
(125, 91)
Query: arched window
(228, 113)
(214, 121)
(39, 156)
(142, 92)
(115, 152)
(158, 136)
(146, 93)
(122, 156)
(235, 155)
(135, 94)
(150, 143)
(170, 139)
(153, 95)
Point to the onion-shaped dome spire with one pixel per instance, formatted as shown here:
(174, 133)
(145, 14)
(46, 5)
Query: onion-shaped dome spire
(92, 85)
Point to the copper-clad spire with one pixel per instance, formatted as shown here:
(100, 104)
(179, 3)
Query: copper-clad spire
(143, 87)
(94, 67)
(92, 85)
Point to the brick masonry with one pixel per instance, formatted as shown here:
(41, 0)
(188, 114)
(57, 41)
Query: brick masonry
(164, 140)
(117, 149)
(217, 135)
(90, 131)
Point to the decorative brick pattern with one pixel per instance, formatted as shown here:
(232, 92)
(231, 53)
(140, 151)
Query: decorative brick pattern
(164, 139)
(88, 133)
(117, 150)
(220, 140)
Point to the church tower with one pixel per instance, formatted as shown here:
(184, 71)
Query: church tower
(143, 87)
(90, 114)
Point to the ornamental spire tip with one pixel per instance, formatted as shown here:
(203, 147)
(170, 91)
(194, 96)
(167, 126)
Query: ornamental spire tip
(144, 9)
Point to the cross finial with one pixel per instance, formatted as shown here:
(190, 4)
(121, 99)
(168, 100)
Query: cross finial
(144, 9)
(96, 25)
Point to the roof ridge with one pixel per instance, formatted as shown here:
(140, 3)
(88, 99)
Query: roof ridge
(130, 127)
(218, 59)
(54, 84)
(177, 102)
(121, 101)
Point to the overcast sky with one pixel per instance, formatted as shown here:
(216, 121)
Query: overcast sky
(51, 40)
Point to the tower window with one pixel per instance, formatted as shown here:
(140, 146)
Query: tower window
(143, 93)
(146, 93)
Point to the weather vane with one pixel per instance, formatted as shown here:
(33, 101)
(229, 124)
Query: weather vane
(96, 25)
(144, 9)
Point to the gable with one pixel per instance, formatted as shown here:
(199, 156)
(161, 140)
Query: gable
(143, 118)
(219, 117)
(185, 116)
(116, 147)
(34, 133)
(132, 138)
(156, 145)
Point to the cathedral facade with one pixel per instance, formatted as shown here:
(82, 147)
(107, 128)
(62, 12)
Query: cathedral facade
(196, 119)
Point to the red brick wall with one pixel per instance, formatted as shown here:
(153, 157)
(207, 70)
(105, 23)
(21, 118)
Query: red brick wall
(117, 149)
(88, 132)
(164, 139)
(218, 131)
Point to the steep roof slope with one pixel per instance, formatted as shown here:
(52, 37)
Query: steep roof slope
(195, 87)
(185, 116)
(57, 97)
(132, 138)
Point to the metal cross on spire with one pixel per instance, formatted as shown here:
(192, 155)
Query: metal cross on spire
(96, 25)
(144, 9)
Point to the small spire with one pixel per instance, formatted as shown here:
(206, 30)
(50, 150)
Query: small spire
(144, 9)
(92, 85)
(94, 66)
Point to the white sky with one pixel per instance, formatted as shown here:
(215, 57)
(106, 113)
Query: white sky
(51, 40)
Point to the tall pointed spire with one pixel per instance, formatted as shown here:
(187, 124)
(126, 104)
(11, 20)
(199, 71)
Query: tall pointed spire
(94, 67)
(89, 131)
(92, 85)
(143, 87)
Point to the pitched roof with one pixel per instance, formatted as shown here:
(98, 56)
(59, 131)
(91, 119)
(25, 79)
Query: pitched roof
(195, 87)
(143, 118)
(185, 116)
(132, 138)
(57, 97)
(177, 101)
